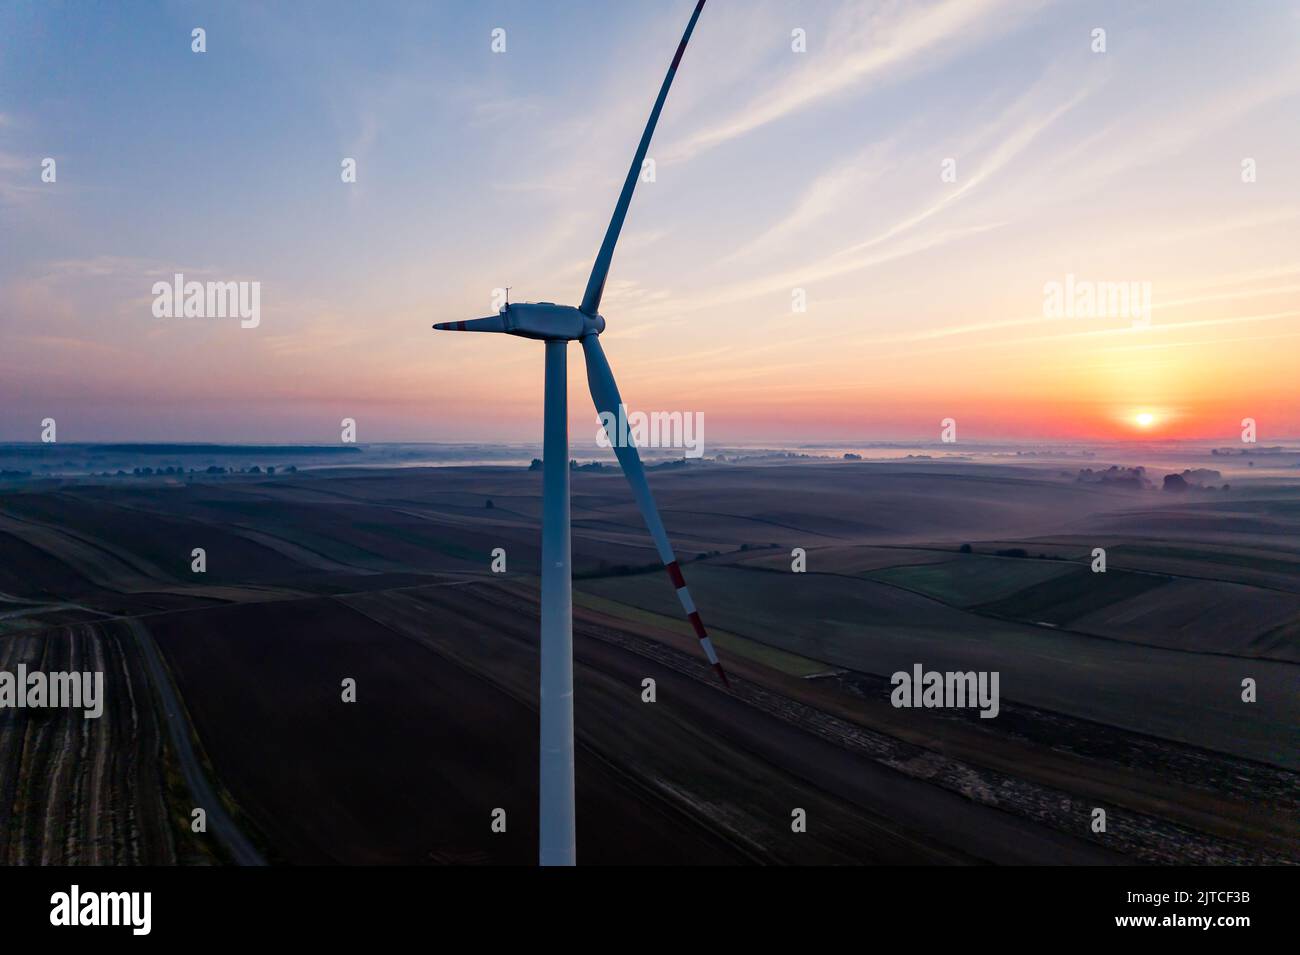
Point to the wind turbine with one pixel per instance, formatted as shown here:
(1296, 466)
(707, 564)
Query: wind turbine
(556, 326)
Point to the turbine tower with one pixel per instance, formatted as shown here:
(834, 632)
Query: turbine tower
(556, 326)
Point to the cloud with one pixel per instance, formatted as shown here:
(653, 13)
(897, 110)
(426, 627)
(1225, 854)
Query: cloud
(860, 47)
(824, 197)
(1009, 145)
(20, 179)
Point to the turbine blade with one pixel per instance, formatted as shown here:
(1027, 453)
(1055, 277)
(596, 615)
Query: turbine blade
(604, 392)
(493, 323)
(599, 271)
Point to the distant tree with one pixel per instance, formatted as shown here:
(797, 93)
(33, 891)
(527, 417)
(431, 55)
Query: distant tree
(1175, 482)
(965, 548)
(270, 470)
(536, 465)
(490, 505)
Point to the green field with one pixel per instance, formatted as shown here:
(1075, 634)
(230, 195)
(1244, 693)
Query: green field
(1253, 560)
(1069, 596)
(972, 580)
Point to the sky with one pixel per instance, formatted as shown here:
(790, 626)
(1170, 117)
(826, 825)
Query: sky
(927, 178)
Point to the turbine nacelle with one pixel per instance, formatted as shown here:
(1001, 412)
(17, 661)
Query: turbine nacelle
(547, 321)
(543, 321)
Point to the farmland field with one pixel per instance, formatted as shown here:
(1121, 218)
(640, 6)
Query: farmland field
(1121, 689)
(971, 580)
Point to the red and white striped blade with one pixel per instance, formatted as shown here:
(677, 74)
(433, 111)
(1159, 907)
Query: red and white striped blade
(604, 392)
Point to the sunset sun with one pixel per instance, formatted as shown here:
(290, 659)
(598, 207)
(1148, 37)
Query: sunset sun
(1144, 419)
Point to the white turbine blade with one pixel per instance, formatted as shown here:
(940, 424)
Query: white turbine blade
(493, 323)
(604, 392)
(599, 271)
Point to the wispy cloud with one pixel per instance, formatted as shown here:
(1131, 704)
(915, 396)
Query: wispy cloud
(862, 45)
(824, 197)
(20, 179)
(1009, 144)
